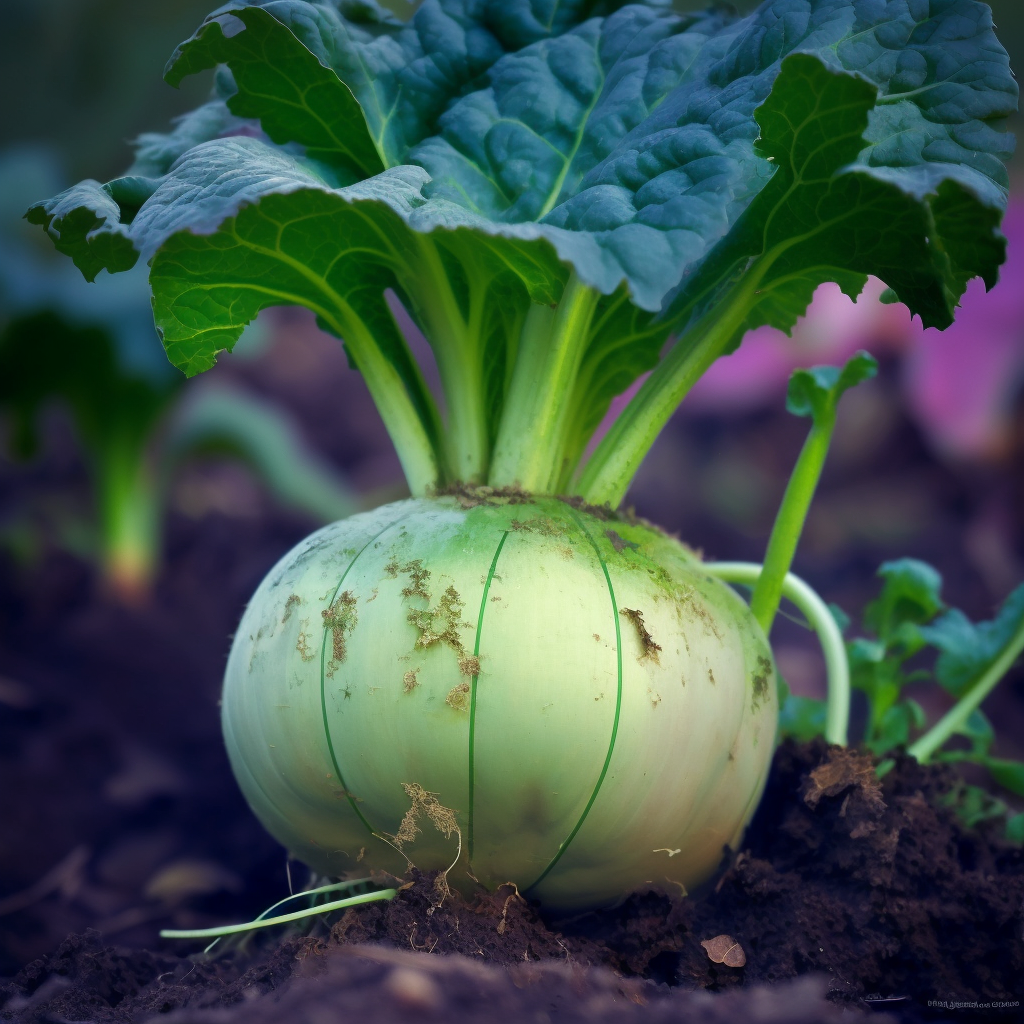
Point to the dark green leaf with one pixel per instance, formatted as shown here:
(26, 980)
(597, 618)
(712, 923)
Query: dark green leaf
(802, 718)
(896, 726)
(978, 729)
(294, 96)
(968, 648)
(1015, 829)
(910, 594)
(1009, 774)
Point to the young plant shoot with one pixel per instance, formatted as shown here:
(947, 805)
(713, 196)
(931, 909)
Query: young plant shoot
(489, 679)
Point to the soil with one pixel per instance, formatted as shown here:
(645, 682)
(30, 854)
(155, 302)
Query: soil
(120, 817)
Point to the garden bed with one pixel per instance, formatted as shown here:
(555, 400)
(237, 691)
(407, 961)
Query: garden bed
(869, 892)
(121, 815)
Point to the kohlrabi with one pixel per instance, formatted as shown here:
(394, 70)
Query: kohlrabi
(527, 687)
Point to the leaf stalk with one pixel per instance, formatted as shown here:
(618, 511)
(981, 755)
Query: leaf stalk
(528, 452)
(955, 719)
(818, 614)
(790, 520)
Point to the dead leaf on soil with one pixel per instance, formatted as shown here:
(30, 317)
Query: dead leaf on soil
(724, 949)
(844, 768)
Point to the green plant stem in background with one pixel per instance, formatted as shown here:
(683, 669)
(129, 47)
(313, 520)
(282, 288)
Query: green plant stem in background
(955, 719)
(528, 452)
(815, 393)
(789, 522)
(818, 614)
(129, 498)
(269, 922)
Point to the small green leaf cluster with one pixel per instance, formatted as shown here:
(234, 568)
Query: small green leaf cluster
(908, 625)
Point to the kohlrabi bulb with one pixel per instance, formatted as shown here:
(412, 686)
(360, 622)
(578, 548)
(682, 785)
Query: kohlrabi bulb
(548, 697)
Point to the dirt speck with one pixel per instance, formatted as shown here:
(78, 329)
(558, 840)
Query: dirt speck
(649, 650)
(341, 619)
(459, 697)
(302, 645)
(759, 682)
(289, 607)
(619, 543)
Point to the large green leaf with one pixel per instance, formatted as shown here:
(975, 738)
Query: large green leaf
(668, 161)
(349, 80)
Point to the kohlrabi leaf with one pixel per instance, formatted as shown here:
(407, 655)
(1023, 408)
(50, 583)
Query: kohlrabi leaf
(294, 96)
(968, 648)
(687, 168)
(351, 82)
(155, 152)
(800, 718)
(1015, 829)
(1009, 774)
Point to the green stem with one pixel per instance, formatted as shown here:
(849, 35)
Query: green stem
(409, 434)
(457, 347)
(789, 523)
(818, 614)
(528, 450)
(129, 511)
(610, 470)
(298, 915)
(955, 719)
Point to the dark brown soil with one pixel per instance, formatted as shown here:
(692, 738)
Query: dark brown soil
(872, 889)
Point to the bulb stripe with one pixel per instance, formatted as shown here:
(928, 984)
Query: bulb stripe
(472, 699)
(323, 676)
(618, 708)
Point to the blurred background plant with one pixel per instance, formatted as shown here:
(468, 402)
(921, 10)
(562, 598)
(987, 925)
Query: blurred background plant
(92, 349)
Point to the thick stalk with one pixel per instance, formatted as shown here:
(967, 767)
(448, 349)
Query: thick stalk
(789, 523)
(416, 452)
(837, 665)
(528, 450)
(457, 348)
(615, 461)
(954, 720)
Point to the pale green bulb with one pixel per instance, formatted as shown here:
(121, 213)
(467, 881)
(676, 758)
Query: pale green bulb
(596, 710)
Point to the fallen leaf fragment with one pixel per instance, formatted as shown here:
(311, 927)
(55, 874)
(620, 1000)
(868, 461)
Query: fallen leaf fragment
(724, 949)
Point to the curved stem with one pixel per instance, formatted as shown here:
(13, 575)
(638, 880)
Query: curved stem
(955, 719)
(837, 713)
(298, 915)
(402, 420)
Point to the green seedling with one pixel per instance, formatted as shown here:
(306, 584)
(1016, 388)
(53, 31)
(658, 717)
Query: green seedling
(538, 685)
(913, 638)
